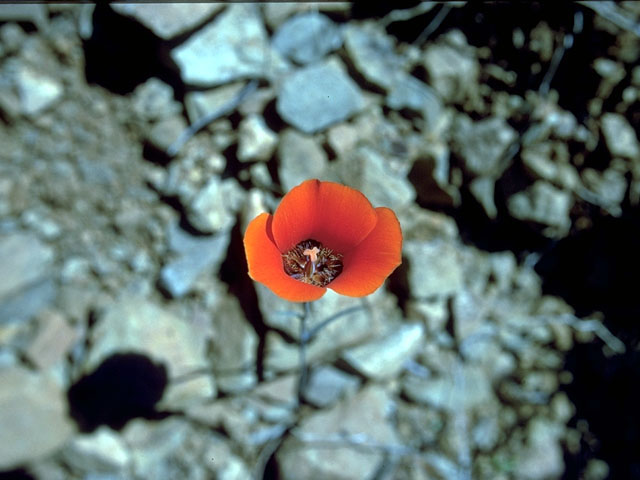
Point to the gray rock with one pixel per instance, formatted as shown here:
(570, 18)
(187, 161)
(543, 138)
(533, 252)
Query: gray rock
(6, 190)
(156, 448)
(163, 133)
(168, 19)
(422, 426)
(483, 189)
(486, 433)
(384, 358)
(228, 466)
(27, 286)
(33, 415)
(36, 91)
(537, 160)
(188, 174)
(234, 46)
(96, 171)
(195, 255)
(257, 102)
(233, 347)
(27, 302)
(281, 356)
(452, 68)
(609, 68)
(141, 262)
(544, 204)
(610, 187)
(33, 13)
(372, 52)
(275, 14)
(51, 469)
(85, 21)
(434, 268)
(468, 318)
(611, 72)
(12, 37)
(25, 260)
(327, 385)
(437, 465)
(564, 125)
(258, 201)
(135, 324)
(214, 208)
(153, 100)
(342, 138)
(317, 96)
(261, 177)
(228, 413)
(464, 388)
(202, 103)
(620, 137)
(301, 158)
(282, 390)
(307, 37)
(408, 92)
(52, 341)
(433, 312)
(100, 451)
(256, 141)
(178, 276)
(369, 171)
(419, 224)
(543, 455)
(503, 269)
(363, 415)
(483, 144)
(41, 222)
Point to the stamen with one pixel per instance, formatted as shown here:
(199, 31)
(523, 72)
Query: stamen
(310, 262)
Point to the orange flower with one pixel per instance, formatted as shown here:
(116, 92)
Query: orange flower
(323, 235)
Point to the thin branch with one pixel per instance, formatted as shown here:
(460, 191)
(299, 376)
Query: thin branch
(289, 313)
(314, 331)
(357, 440)
(302, 381)
(567, 43)
(267, 452)
(611, 12)
(406, 14)
(435, 23)
(195, 127)
(592, 325)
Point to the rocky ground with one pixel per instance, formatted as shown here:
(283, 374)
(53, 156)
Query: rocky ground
(134, 346)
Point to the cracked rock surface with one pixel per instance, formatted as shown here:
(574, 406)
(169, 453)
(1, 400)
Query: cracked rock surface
(133, 345)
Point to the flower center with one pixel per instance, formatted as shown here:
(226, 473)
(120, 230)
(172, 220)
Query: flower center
(310, 262)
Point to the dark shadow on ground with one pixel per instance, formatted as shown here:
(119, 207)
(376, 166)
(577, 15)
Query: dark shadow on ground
(597, 271)
(123, 387)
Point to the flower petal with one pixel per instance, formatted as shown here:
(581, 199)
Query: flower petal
(368, 265)
(335, 215)
(265, 264)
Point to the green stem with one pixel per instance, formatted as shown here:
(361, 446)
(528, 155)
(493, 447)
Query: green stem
(302, 382)
(314, 331)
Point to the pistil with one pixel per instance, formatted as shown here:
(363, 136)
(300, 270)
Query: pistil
(310, 262)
